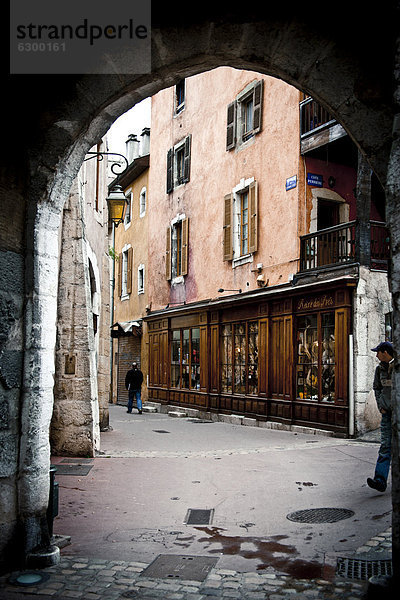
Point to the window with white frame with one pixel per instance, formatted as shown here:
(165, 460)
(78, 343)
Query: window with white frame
(241, 222)
(140, 279)
(177, 248)
(179, 96)
(142, 202)
(125, 260)
(244, 115)
(128, 211)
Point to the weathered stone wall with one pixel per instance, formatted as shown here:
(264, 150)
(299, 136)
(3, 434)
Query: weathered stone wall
(12, 276)
(372, 301)
(75, 396)
(81, 391)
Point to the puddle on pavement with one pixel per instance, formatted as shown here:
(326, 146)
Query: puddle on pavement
(269, 552)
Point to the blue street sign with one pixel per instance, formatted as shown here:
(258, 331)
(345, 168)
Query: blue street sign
(291, 182)
(313, 179)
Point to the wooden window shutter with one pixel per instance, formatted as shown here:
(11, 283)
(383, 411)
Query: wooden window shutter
(186, 171)
(168, 255)
(170, 170)
(120, 274)
(228, 246)
(253, 216)
(258, 102)
(231, 126)
(185, 246)
(129, 271)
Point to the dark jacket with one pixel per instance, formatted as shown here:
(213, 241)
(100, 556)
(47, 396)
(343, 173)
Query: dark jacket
(383, 385)
(134, 379)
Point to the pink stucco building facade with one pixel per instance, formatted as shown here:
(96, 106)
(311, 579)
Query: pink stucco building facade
(216, 172)
(267, 256)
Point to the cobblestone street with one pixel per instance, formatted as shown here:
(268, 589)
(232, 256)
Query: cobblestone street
(109, 555)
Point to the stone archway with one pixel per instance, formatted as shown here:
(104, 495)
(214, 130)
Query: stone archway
(332, 59)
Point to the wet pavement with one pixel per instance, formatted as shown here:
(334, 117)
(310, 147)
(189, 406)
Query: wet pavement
(131, 507)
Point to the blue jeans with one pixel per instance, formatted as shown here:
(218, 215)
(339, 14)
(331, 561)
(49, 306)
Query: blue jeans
(138, 395)
(384, 456)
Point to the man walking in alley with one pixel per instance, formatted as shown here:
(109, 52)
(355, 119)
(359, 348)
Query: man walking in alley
(133, 383)
(383, 390)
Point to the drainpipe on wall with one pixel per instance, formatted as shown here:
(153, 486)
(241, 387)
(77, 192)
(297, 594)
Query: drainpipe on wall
(112, 286)
(351, 386)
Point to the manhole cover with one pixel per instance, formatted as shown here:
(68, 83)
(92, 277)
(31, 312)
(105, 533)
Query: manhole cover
(169, 566)
(81, 470)
(160, 431)
(320, 515)
(199, 516)
(354, 568)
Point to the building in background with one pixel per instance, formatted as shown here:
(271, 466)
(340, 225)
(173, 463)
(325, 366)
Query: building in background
(131, 275)
(267, 254)
(81, 387)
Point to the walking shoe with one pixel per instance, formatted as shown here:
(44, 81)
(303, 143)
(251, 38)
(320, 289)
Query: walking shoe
(376, 484)
(140, 412)
(129, 411)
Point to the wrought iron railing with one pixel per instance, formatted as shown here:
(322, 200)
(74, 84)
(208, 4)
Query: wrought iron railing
(380, 245)
(313, 116)
(337, 245)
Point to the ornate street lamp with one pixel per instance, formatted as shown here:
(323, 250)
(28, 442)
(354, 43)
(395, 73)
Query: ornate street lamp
(117, 203)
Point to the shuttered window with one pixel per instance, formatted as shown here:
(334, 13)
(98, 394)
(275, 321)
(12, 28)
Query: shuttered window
(240, 222)
(125, 261)
(177, 249)
(244, 115)
(178, 164)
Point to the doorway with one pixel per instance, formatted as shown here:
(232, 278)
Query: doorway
(328, 214)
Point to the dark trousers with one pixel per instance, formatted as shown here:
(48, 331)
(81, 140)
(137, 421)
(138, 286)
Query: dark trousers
(137, 394)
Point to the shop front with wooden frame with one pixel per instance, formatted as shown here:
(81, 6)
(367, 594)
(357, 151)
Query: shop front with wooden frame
(276, 356)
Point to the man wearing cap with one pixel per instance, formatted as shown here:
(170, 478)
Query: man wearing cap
(383, 394)
(133, 383)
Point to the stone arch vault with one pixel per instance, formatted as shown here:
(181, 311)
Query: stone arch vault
(345, 61)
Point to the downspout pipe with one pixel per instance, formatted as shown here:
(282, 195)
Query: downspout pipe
(112, 286)
(351, 386)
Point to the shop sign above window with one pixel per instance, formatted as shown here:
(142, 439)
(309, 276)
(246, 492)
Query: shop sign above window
(318, 302)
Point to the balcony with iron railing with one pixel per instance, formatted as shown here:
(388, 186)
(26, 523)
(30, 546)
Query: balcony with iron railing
(338, 246)
(317, 125)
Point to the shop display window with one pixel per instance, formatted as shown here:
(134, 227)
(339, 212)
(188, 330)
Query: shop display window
(185, 358)
(226, 359)
(315, 369)
(239, 358)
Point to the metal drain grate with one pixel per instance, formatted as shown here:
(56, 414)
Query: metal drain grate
(320, 515)
(195, 568)
(354, 568)
(208, 421)
(199, 516)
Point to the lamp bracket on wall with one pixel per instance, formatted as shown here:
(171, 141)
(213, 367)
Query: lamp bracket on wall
(116, 166)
